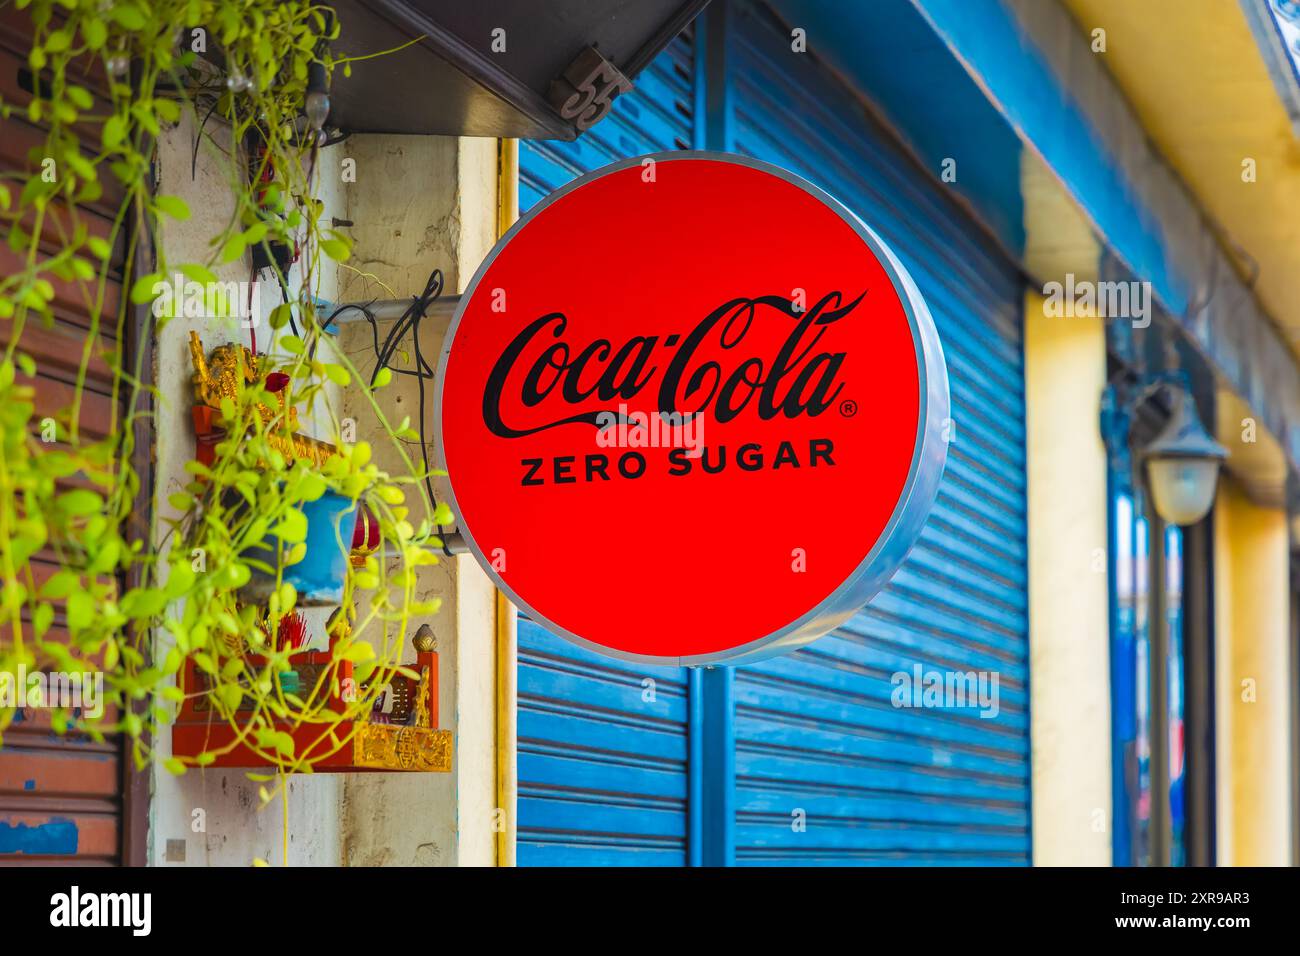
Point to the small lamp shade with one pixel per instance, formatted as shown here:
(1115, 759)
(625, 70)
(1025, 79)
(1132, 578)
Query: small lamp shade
(1183, 465)
(1183, 488)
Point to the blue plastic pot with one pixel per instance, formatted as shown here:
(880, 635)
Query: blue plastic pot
(318, 577)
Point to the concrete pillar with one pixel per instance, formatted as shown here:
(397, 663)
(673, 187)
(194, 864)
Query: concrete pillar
(1069, 653)
(420, 203)
(1253, 669)
(1069, 683)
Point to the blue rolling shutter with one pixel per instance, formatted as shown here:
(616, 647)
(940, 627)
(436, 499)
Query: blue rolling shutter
(603, 754)
(603, 775)
(602, 759)
(816, 734)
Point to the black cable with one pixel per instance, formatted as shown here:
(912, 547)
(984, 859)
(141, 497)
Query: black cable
(198, 140)
(284, 297)
(413, 314)
(410, 320)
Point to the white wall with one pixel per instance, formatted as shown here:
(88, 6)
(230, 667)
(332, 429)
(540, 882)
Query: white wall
(234, 830)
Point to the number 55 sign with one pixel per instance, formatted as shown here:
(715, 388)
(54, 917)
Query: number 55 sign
(587, 89)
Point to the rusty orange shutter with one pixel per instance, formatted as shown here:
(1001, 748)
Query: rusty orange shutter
(63, 798)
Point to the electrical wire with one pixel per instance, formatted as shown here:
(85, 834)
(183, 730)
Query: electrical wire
(252, 328)
(423, 371)
(284, 297)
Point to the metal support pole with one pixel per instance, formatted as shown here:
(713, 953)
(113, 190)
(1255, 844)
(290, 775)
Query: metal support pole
(1198, 652)
(387, 310)
(1158, 674)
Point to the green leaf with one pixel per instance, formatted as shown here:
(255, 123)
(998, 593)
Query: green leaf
(144, 602)
(230, 695)
(168, 110)
(80, 166)
(80, 97)
(114, 132)
(383, 377)
(173, 206)
(337, 374)
(312, 486)
(358, 652)
(180, 578)
(291, 344)
(336, 249)
(233, 249)
(81, 610)
(235, 576)
(42, 619)
(98, 247)
(107, 557)
(142, 290)
(95, 32)
(198, 273)
(128, 16)
(293, 528)
(58, 41)
(79, 501)
(391, 494)
(175, 766)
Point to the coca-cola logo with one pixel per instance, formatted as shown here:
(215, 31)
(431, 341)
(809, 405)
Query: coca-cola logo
(540, 368)
(714, 444)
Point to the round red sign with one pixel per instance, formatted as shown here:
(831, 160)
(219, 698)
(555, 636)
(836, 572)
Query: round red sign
(692, 411)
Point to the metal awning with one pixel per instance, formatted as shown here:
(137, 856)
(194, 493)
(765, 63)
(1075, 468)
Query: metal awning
(493, 67)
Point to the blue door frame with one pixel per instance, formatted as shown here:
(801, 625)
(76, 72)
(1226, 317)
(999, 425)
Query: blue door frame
(712, 817)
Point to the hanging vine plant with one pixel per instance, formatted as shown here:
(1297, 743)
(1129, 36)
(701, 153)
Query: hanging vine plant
(141, 603)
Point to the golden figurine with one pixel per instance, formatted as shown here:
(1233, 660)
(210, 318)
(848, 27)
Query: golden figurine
(223, 374)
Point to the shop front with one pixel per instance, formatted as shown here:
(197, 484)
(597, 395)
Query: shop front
(825, 434)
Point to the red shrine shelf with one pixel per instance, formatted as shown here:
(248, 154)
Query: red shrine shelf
(405, 738)
(400, 734)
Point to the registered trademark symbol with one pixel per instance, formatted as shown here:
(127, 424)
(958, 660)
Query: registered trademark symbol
(848, 408)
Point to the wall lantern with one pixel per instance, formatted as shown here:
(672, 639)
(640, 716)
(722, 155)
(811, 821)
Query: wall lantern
(1183, 463)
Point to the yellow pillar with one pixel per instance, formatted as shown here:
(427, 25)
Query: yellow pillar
(1253, 666)
(1069, 653)
(507, 645)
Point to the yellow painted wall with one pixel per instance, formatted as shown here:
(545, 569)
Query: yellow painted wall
(507, 636)
(1065, 366)
(1253, 668)
(1193, 73)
